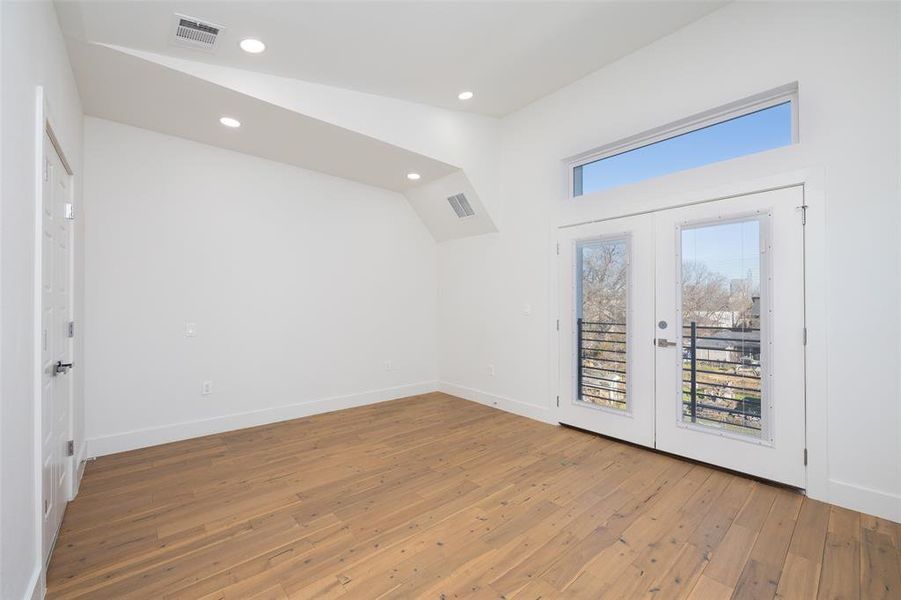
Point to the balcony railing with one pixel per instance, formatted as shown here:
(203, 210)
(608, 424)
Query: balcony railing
(721, 377)
(602, 363)
(720, 373)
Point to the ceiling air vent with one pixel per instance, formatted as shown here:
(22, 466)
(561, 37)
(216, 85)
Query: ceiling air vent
(461, 206)
(195, 33)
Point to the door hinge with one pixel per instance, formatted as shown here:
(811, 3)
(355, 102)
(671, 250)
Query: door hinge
(70, 448)
(805, 457)
(803, 208)
(71, 330)
(558, 324)
(805, 336)
(558, 248)
(70, 211)
(558, 401)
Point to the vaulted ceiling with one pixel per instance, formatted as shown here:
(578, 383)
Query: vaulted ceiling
(366, 91)
(508, 53)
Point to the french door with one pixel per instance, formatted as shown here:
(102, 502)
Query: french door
(683, 330)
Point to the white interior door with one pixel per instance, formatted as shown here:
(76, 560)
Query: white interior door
(607, 294)
(730, 376)
(55, 343)
(684, 330)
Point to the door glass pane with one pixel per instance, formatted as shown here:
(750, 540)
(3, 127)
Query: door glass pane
(602, 325)
(721, 326)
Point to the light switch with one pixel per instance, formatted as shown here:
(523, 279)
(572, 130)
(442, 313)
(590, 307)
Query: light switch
(190, 329)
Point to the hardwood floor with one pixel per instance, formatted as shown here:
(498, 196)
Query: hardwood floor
(437, 497)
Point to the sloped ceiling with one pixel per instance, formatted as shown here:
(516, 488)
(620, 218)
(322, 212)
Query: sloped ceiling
(509, 53)
(347, 134)
(413, 54)
(121, 87)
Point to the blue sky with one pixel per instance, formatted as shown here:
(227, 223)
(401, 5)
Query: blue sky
(732, 249)
(762, 130)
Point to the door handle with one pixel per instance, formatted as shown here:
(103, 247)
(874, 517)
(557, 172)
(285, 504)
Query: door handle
(665, 343)
(61, 368)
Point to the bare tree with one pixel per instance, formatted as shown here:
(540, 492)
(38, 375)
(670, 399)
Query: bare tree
(705, 295)
(604, 281)
(741, 300)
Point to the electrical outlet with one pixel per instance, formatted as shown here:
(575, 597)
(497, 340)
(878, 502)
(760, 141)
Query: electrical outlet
(388, 365)
(206, 388)
(491, 370)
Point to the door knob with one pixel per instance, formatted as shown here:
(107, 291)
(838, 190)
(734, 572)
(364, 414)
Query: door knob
(61, 367)
(665, 343)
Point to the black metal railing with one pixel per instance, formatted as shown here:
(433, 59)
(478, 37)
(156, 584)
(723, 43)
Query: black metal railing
(601, 373)
(720, 365)
(721, 377)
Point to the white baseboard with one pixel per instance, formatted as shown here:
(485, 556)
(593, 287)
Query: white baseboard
(80, 463)
(865, 500)
(854, 497)
(36, 586)
(524, 409)
(153, 436)
(870, 501)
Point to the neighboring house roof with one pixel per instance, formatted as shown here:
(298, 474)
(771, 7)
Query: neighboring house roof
(727, 339)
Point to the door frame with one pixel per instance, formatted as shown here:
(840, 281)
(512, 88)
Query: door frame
(811, 180)
(45, 125)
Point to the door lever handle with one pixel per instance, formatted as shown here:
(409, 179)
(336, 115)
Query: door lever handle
(665, 343)
(61, 367)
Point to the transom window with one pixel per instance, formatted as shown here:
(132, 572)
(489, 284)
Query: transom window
(748, 127)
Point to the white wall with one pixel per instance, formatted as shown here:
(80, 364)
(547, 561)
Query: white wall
(459, 138)
(846, 61)
(33, 55)
(302, 287)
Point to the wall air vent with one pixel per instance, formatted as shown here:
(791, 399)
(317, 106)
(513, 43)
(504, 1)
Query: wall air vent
(461, 206)
(189, 32)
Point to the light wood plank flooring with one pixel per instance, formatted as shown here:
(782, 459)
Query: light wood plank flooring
(437, 497)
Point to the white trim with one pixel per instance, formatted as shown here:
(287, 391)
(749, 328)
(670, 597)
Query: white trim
(517, 407)
(37, 585)
(80, 464)
(41, 110)
(816, 351)
(153, 436)
(44, 125)
(865, 500)
(714, 116)
(653, 198)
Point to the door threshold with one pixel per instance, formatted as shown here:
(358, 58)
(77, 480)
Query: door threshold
(777, 484)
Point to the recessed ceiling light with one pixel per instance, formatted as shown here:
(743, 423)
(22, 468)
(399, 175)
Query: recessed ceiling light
(253, 46)
(464, 95)
(413, 176)
(230, 122)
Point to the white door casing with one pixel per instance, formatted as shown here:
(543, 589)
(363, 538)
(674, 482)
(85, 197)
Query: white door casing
(655, 372)
(55, 343)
